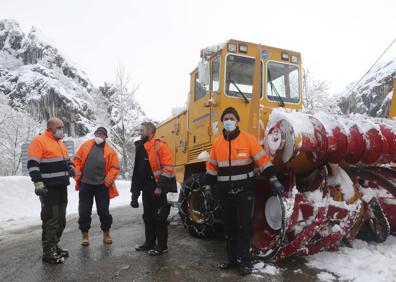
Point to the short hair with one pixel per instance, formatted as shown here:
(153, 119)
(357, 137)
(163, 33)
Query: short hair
(150, 126)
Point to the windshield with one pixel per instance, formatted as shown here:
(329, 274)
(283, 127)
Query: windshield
(283, 78)
(239, 74)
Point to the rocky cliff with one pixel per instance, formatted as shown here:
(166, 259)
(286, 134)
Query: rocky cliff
(37, 78)
(373, 94)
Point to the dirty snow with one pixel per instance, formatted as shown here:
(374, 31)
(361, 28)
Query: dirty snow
(264, 268)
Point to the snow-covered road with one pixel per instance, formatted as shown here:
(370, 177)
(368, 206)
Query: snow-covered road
(20, 208)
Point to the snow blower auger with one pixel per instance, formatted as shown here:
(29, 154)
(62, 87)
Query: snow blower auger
(335, 193)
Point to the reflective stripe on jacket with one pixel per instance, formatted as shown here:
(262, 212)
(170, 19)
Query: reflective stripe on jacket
(112, 165)
(161, 161)
(48, 160)
(237, 158)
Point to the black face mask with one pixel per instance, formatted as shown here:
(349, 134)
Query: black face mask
(145, 138)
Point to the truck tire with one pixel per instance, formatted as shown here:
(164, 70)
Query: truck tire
(198, 211)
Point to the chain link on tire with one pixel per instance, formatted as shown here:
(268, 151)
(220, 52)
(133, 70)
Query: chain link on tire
(198, 211)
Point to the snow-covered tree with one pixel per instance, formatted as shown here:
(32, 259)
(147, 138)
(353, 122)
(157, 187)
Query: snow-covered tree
(15, 129)
(316, 96)
(118, 110)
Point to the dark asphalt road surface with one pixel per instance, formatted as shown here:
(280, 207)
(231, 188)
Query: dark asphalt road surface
(189, 259)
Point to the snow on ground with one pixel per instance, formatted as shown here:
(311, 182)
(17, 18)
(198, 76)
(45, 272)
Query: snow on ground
(20, 207)
(365, 262)
(263, 268)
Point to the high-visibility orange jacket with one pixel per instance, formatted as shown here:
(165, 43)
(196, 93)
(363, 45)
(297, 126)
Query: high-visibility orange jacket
(112, 166)
(236, 157)
(161, 161)
(48, 161)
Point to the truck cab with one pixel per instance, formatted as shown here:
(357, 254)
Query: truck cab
(252, 78)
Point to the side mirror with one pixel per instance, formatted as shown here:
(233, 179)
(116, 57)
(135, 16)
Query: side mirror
(203, 72)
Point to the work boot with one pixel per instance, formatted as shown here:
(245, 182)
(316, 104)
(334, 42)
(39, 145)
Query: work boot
(245, 269)
(144, 248)
(52, 257)
(62, 252)
(106, 237)
(85, 239)
(157, 251)
(228, 264)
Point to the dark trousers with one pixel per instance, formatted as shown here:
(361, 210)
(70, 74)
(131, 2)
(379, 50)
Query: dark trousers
(155, 216)
(53, 216)
(237, 212)
(86, 195)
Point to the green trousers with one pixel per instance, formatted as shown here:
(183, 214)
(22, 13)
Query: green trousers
(53, 216)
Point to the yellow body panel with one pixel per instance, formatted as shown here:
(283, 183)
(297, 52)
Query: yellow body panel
(200, 124)
(392, 109)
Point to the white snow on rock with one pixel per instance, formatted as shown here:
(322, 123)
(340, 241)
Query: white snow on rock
(37, 78)
(326, 277)
(371, 95)
(365, 262)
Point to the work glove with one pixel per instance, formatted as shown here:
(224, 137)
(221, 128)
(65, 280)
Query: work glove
(202, 179)
(134, 201)
(72, 172)
(277, 187)
(40, 189)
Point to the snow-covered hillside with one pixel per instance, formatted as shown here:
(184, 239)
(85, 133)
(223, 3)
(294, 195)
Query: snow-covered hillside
(372, 95)
(37, 78)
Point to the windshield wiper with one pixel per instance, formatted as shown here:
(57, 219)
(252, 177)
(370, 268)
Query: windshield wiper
(245, 99)
(273, 88)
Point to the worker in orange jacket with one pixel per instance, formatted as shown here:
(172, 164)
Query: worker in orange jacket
(154, 175)
(49, 168)
(96, 169)
(234, 158)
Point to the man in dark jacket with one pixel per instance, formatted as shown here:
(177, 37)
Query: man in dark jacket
(153, 174)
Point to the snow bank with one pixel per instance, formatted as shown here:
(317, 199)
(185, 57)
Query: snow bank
(20, 207)
(365, 262)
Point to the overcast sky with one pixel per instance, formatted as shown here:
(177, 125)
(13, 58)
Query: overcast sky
(159, 41)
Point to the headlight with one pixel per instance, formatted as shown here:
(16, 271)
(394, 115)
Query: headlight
(243, 48)
(285, 56)
(232, 47)
(294, 59)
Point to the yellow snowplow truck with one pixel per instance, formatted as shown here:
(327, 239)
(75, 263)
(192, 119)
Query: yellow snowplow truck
(250, 77)
(329, 165)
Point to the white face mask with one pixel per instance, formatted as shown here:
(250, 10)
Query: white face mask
(99, 140)
(58, 134)
(229, 125)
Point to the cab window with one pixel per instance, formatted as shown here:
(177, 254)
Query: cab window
(239, 76)
(201, 90)
(282, 82)
(216, 74)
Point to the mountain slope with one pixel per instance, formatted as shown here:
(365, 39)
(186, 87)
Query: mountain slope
(37, 78)
(373, 94)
